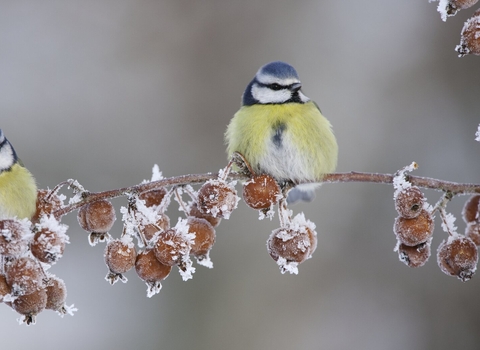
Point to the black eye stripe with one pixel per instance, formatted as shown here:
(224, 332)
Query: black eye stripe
(277, 87)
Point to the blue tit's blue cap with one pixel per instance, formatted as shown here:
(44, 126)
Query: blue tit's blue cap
(276, 72)
(278, 69)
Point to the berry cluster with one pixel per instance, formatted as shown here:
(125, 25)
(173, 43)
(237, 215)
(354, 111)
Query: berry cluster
(470, 34)
(457, 255)
(27, 251)
(413, 227)
(162, 245)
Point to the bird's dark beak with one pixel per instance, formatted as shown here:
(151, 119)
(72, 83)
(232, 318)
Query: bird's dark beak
(295, 87)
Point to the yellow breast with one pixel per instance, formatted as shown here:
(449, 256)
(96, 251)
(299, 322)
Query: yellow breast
(18, 193)
(289, 141)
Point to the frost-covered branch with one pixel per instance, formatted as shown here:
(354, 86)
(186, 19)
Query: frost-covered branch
(29, 248)
(195, 179)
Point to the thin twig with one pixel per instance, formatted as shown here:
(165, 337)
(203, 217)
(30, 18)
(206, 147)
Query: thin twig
(424, 182)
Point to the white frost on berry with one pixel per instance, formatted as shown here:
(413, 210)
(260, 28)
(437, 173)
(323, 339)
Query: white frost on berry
(230, 202)
(287, 266)
(442, 8)
(204, 260)
(50, 223)
(128, 241)
(145, 215)
(268, 214)
(300, 223)
(9, 298)
(153, 288)
(186, 268)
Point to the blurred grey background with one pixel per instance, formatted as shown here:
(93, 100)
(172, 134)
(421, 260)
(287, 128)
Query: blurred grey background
(100, 91)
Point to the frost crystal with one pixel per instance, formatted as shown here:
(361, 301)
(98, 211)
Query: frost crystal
(77, 189)
(399, 181)
(153, 288)
(50, 223)
(268, 214)
(145, 215)
(128, 240)
(130, 222)
(186, 269)
(448, 224)
(286, 266)
(442, 9)
(67, 310)
(477, 134)
(156, 173)
(204, 260)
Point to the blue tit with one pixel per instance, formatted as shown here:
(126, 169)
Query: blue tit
(281, 132)
(18, 191)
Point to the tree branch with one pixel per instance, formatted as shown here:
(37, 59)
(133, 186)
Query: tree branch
(424, 182)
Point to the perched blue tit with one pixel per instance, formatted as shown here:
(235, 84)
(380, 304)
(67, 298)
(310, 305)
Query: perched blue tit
(18, 191)
(281, 132)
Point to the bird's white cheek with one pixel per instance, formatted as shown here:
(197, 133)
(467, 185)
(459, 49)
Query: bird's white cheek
(6, 157)
(266, 95)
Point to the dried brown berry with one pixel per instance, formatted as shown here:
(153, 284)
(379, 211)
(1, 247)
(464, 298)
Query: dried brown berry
(47, 203)
(97, 216)
(171, 246)
(30, 305)
(414, 256)
(194, 211)
(292, 245)
(56, 294)
(149, 269)
(472, 231)
(120, 255)
(154, 197)
(25, 276)
(162, 224)
(470, 36)
(48, 246)
(261, 192)
(458, 256)
(204, 236)
(14, 236)
(414, 231)
(409, 202)
(217, 198)
(470, 209)
(4, 287)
